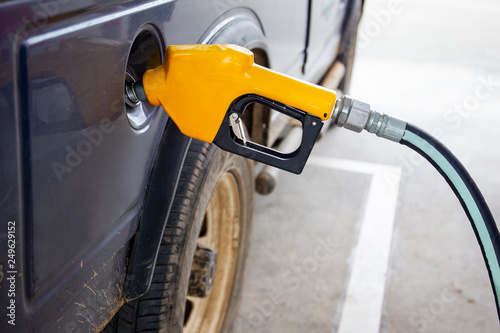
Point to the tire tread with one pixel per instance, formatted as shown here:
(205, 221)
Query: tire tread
(147, 313)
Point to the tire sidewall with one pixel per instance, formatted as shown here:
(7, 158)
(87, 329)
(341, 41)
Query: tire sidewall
(216, 164)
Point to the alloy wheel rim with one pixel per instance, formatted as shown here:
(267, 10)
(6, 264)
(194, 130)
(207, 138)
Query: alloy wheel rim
(220, 231)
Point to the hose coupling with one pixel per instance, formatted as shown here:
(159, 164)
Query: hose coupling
(356, 116)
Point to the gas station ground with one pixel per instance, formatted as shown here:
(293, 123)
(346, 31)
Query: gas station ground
(370, 238)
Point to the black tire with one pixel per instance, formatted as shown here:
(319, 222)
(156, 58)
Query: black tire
(163, 307)
(348, 42)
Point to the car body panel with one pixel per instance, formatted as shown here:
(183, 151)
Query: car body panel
(325, 32)
(284, 18)
(84, 170)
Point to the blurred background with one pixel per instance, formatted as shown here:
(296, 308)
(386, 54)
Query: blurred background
(370, 238)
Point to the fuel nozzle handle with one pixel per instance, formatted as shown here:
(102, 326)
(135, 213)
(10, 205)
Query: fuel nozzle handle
(197, 84)
(206, 89)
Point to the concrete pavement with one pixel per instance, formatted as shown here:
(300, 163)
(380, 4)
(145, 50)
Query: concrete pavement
(437, 65)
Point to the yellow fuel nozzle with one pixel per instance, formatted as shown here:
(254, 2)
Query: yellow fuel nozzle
(199, 86)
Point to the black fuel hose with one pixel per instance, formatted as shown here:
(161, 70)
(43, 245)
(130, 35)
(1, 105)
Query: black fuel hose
(358, 116)
(467, 192)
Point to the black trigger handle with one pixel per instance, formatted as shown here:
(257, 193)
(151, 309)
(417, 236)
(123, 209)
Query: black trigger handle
(293, 162)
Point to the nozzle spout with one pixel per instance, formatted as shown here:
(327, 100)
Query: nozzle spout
(134, 93)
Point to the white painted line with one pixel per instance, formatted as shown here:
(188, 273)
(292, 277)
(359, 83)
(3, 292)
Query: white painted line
(362, 308)
(354, 166)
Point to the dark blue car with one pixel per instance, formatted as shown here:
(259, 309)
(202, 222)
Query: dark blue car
(110, 218)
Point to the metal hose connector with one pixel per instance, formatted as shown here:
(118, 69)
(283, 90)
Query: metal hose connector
(356, 116)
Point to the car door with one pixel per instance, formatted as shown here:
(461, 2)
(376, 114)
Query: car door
(325, 30)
